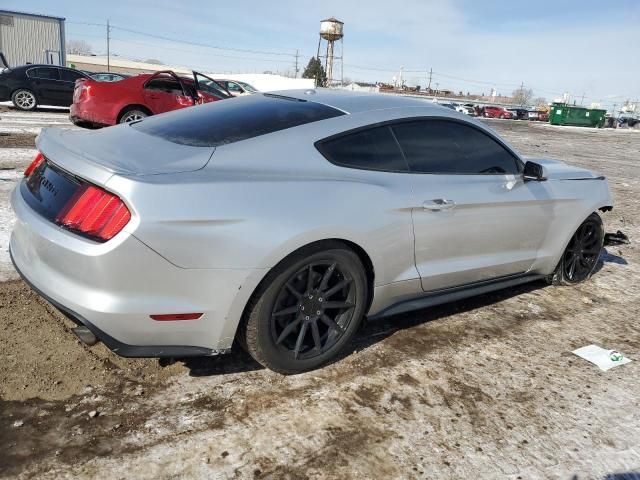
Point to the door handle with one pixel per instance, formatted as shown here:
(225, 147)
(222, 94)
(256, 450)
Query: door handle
(438, 204)
(154, 97)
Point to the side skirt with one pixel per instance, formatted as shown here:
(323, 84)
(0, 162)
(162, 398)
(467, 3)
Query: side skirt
(431, 299)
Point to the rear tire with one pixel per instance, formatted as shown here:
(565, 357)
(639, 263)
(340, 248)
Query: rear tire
(582, 253)
(308, 308)
(133, 114)
(24, 99)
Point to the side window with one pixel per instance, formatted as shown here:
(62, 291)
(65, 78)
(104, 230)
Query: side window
(437, 146)
(234, 87)
(165, 84)
(371, 149)
(44, 72)
(70, 75)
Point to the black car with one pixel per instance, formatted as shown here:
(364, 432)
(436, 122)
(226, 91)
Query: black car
(28, 86)
(519, 113)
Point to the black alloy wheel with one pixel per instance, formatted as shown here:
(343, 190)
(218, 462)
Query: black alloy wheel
(307, 309)
(313, 310)
(582, 253)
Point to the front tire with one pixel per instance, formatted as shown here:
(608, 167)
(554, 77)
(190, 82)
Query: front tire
(581, 256)
(308, 309)
(24, 99)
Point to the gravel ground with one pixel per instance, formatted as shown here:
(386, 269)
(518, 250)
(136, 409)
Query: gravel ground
(485, 388)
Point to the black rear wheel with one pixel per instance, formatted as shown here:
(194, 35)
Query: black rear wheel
(581, 255)
(310, 307)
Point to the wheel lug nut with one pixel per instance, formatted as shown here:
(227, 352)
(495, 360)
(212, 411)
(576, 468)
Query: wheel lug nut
(306, 318)
(318, 312)
(301, 308)
(320, 299)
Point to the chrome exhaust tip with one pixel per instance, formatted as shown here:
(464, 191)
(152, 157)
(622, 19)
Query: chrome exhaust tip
(85, 335)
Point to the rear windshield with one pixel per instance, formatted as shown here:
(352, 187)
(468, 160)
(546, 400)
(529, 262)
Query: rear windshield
(233, 120)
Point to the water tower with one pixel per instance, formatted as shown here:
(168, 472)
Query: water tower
(331, 31)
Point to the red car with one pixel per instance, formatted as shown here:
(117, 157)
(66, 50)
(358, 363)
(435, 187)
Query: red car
(496, 112)
(99, 104)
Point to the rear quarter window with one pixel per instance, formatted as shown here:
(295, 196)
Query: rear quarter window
(234, 119)
(368, 149)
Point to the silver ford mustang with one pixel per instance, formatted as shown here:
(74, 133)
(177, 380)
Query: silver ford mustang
(280, 221)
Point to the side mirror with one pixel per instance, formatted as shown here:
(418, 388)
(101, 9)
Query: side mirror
(534, 171)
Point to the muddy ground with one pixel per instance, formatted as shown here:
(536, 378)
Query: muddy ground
(485, 388)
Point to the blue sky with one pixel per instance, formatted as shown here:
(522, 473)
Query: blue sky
(577, 46)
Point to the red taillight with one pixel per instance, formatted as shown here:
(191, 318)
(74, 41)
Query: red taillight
(94, 212)
(37, 160)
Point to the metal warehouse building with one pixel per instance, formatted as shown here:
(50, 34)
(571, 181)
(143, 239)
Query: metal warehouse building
(31, 38)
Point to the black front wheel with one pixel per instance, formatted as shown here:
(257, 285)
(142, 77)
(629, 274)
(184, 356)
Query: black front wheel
(308, 309)
(582, 253)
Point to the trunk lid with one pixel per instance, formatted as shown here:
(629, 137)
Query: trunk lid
(122, 150)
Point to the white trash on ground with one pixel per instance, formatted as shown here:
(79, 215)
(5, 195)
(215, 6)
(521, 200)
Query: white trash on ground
(604, 359)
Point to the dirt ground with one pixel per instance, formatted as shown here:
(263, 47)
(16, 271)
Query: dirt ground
(485, 388)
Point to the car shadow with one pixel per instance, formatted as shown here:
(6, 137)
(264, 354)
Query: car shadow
(606, 257)
(371, 332)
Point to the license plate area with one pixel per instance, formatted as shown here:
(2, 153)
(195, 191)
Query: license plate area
(48, 189)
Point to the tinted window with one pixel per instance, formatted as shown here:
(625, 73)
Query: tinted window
(165, 83)
(44, 72)
(371, 149)
(70, 75)
(233, 120)
(437, 146)
(210, 86)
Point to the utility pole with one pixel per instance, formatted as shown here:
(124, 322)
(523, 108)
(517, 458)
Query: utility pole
(108, 42)
(521, 93)
(296, 70)
(430, 75)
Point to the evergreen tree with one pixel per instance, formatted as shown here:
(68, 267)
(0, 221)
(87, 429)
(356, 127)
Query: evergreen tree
(314, 70)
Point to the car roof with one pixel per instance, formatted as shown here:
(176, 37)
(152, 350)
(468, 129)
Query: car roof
(40, 65)
(357, 102)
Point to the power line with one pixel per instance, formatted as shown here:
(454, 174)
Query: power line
(135, 42)
(187, 42)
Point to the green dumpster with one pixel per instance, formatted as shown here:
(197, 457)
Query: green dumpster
(563, 114)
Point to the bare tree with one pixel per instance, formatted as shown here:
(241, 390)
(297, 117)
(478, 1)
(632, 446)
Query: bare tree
(540, 103)
(79, 47)
(522, 96)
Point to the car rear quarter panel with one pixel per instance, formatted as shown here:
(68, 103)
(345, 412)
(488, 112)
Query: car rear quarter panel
(261, 199)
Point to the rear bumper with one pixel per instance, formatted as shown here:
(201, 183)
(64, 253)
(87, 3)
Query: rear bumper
(82, 112)
(122, 349)
(112, 288)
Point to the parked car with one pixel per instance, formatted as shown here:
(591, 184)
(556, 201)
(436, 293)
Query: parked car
(282, 220)
(519, 113)
(29, 86)
(99, 104)
(108, 76)
(464, 109)
(495, 112)
(237, 88)
(450, 106)
(533, 115)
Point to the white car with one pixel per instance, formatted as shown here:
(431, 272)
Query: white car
(237, 88)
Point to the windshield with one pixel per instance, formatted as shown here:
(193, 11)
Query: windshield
(247, 87)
